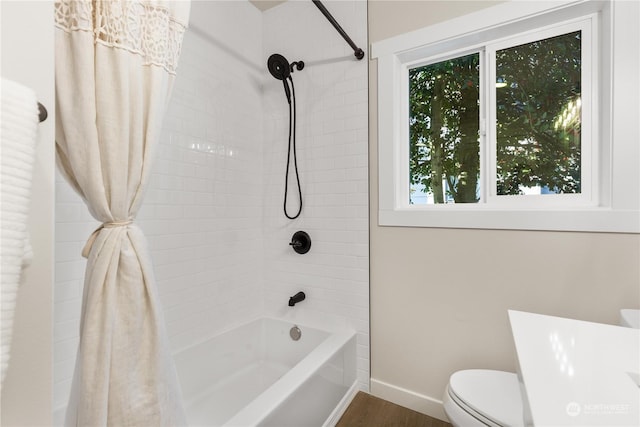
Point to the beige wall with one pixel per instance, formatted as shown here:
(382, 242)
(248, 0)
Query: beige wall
(27, 57)
(439, 297)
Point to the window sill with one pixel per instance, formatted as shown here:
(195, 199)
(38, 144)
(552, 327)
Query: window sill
(586, 220)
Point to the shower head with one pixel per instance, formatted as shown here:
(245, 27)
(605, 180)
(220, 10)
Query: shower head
(279, 66)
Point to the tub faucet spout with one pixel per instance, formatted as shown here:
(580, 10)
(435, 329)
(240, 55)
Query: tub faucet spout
(300, 296)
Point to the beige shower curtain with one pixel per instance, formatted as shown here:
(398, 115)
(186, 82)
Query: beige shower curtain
(115, 66)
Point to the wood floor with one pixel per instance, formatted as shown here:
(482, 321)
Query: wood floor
(369, 411)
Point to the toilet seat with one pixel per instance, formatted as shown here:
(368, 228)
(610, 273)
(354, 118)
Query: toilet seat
(491, 397)
(461, 415)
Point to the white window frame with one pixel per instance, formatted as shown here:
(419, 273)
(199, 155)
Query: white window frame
(613, 200)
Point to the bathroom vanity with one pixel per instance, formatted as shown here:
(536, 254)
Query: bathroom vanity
(576, 373)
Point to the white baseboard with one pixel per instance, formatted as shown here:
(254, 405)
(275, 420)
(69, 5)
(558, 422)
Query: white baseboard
(342, 406)
(409, 399)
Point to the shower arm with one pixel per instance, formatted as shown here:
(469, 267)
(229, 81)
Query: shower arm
(357, 52)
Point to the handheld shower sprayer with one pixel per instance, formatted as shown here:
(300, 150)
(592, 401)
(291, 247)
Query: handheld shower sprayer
(281, 69)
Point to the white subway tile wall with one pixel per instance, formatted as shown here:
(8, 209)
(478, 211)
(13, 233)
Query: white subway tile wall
(213, 210)
(332, 145)
(202, 214)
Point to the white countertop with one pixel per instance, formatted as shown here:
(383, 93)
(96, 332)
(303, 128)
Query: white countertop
(576, 373)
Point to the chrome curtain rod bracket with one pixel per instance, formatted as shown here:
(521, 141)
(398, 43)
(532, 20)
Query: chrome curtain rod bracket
(357, 52)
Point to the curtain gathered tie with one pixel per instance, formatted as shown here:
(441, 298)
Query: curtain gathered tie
(115, 224)
(94, 235)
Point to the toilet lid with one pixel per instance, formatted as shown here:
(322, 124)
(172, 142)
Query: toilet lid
(494, 395)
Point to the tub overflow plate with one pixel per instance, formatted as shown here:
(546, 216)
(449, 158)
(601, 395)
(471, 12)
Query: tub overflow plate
(295, 333)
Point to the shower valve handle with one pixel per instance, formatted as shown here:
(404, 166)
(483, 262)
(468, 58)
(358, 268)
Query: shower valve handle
(300, 242)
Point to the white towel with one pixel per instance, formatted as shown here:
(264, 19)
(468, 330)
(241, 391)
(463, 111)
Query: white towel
(18, 133)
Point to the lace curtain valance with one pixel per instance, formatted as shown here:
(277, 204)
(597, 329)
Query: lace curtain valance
(150, 30)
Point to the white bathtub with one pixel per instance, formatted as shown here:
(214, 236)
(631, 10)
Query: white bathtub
(256, 375)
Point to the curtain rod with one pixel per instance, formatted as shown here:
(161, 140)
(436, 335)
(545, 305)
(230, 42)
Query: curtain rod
(357, 52)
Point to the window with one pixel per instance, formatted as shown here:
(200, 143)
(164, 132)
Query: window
(538, 116)
(541, 93)
(533, 101)
(444, 131)
(508, 125)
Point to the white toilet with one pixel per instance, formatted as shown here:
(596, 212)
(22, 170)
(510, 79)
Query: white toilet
(481, 397)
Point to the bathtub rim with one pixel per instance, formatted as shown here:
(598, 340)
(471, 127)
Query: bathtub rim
(274, 396)
(331, 330)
